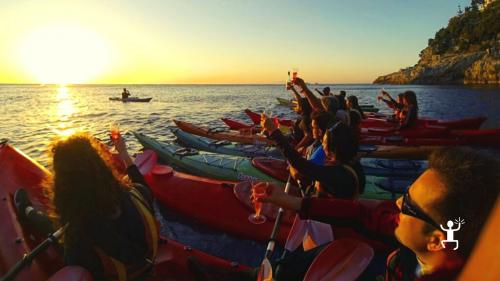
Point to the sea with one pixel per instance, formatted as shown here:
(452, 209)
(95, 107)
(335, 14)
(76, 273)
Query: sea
(31, 116)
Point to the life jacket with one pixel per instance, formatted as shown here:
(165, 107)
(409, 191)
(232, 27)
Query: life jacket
(119, 271)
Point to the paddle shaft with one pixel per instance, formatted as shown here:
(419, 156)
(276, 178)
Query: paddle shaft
(277, 223)
(28, 258)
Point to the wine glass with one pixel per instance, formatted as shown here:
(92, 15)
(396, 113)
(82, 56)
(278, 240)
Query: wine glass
(114, 134)
(258, 190)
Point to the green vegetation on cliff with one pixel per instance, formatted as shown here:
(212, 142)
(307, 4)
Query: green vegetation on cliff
(469, 31)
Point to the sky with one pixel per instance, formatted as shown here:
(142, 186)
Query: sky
(214, 41)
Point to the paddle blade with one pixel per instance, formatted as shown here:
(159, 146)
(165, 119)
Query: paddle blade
(146, 161)
(265, 271)
(343, 259)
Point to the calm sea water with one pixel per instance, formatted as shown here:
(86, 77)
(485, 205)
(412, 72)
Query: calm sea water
(30, 117)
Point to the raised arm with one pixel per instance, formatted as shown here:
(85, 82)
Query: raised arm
(311, 98)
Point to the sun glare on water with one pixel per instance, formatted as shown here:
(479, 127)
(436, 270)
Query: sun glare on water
(63, 54)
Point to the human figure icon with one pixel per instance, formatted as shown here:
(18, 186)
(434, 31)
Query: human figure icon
(449, 233)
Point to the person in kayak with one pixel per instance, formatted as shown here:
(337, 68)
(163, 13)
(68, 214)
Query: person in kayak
(325, 92)
(301, 131)
(409, 115)
(397, 106)
(353, 105)
(125, 94)
(460, 184)
(341, 176)
(111, 227)
(320, 123)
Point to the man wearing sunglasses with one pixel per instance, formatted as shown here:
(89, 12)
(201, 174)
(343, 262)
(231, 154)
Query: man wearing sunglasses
(459, 182)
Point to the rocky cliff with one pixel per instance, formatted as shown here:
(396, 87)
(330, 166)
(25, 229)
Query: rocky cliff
(467, 51)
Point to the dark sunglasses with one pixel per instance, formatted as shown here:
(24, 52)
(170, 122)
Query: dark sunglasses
(411, 209)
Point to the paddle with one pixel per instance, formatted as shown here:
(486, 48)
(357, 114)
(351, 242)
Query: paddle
(28, 258)
(266, 271)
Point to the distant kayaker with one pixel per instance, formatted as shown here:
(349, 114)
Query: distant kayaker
(125, 94)
(111, 225)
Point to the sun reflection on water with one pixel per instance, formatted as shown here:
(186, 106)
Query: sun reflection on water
(64, 111)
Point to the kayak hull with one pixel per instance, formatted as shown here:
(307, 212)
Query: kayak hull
(131, 99)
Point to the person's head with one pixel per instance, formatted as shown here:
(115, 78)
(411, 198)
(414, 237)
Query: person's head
(330, 104)
(326, 91)
(400, 99)
(320, 122)
(84, 184)
(338, 143)
(342, 94)
(352, 102)
(341, 101)
(410, 98)
(459, 183)
(303, 107)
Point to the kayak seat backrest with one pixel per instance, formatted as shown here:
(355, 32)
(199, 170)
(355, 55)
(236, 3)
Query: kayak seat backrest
(398, 164)
(185, 151)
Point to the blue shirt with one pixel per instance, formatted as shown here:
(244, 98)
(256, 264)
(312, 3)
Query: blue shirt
(317, 155)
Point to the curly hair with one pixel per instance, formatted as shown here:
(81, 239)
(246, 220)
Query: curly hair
(85, 185)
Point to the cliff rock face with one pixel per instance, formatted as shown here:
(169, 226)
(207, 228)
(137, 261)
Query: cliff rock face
(466, 51)
(481, 67)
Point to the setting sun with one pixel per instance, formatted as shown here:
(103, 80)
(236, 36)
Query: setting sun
(62, 54)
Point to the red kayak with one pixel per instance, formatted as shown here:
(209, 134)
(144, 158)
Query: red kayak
(458, 124)
(236, 125)
(17, 170)
(255, 116)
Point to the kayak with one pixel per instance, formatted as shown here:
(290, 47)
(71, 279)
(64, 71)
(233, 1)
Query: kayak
(233, 168)
(375, 166)
(211, 165)
(465, 123)
(222, 135)
(225, 206)
(255, 117)
(18, 170)
(431, 135)
(225, 147)
(236, 125)
(285, 102)
(131, 99)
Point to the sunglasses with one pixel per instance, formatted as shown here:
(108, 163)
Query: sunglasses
(411, 209)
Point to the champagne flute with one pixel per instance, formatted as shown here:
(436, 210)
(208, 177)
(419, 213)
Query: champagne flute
(114, 131)
(258, 190)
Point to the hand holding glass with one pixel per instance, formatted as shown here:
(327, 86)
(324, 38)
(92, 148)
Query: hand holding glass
(258, 190)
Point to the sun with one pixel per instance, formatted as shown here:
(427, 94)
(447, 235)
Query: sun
(63, 54)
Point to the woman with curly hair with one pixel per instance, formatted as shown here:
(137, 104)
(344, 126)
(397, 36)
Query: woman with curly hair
(111, 230)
